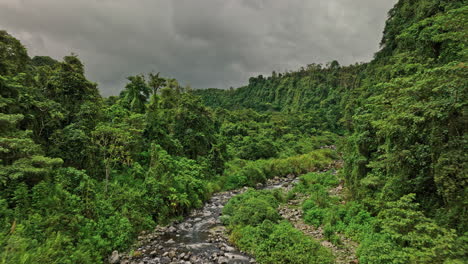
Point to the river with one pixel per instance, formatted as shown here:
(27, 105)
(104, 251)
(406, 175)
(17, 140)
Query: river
(199, 238)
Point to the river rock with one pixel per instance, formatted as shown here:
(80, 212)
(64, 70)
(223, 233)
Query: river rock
(229, 249)
(200, 238)
(114, 258)
(165, 260)
(171, 254)
(223, 260)
(182, 255)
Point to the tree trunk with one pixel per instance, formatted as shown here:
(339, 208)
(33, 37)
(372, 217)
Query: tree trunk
(107, 175)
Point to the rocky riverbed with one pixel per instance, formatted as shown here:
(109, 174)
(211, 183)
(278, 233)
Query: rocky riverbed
(200, 238)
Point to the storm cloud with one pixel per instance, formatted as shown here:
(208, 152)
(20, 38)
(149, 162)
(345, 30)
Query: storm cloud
(204, 43)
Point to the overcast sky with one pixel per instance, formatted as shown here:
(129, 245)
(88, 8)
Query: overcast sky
(204, 43)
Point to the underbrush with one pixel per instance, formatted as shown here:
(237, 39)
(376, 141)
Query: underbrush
(72, 218)
(398, 232)
(241, 173)
(256, 227)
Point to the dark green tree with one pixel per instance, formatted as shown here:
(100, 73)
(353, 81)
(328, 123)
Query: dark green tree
(136, 94)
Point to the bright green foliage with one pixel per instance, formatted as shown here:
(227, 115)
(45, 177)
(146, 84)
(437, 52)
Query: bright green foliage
(178, 122)
(68, 86)
(257, 229)
(80, 175)
(419, 238)
(407, 236)
(136, 94)
(282, 243)
(41, 61)
(251, 208)
(155, 82)
(20, 158)
(404, 113)
(13, 56)
(400, 233)
(316, 90)
(408, 133)
(114, 181)
(311, 180)
(178, 183)
(247, 173)
(114, 145)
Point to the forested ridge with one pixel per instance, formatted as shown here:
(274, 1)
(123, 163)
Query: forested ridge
(82, 175)
(402, 114)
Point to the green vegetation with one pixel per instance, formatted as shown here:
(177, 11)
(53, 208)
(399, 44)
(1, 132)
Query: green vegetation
(82, 175)
(403, 121)
(318, 92)
(256, 228)
(247, 173)
(399, 233)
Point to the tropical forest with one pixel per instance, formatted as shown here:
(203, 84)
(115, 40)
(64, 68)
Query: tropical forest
(363, 163)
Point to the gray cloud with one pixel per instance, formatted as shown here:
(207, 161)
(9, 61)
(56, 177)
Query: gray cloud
(204, 43)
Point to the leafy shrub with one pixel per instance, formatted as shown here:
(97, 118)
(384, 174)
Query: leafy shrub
(330, 235)
(254, 221)
(251, 208)
(240, 172)
(314, 216)
(281, 243)
(326, 179)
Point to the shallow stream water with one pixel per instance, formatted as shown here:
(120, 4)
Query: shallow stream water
(199, 238)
